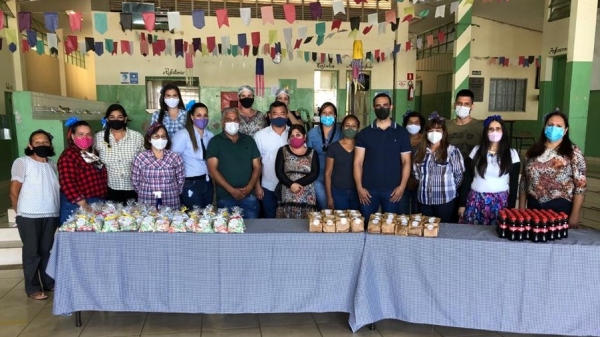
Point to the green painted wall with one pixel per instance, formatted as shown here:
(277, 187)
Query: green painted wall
(577, 100)
(436, 102)
(593, 120)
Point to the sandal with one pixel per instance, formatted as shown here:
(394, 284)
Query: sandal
(38, 296)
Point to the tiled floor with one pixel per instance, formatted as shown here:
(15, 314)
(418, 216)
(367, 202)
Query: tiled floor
(23, 317)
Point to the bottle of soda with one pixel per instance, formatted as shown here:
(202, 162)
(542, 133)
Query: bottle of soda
(527, 224)
(521, 228)
(537, 230)
(502, 226)
(565, 221)
(559, 226)
(544, 236)
(512, 228)
(551, 228)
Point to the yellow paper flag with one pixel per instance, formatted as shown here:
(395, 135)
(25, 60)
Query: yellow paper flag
(272, 36)
(409, 10)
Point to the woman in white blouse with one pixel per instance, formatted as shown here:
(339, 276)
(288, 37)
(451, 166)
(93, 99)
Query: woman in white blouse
(34, 194)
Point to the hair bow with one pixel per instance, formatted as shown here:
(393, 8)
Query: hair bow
(435, 115)
(490, 119)
(189, 105)
(71, 121)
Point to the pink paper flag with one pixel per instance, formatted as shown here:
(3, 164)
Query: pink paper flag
(222, 18)
(189, 60)
(149, 20)
(125, 47)
(430, 40)
(290, 12)
(266, 12)
(366, 30)
(1, 20)
(336, 24)
(441, 37)
(75, 21)
(390, 16)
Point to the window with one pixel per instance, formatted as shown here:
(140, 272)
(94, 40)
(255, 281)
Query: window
(559, 9)
(437, 48)
(190, 90)
(507, 94)
(76, 58)
(325, 87)
(185, 7)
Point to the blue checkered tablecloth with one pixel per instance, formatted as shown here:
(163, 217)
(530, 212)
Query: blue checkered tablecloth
(276, 266)
(468, 277)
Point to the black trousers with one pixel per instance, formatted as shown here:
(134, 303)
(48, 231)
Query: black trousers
(37, 235)
(120, 196)
(443, 211)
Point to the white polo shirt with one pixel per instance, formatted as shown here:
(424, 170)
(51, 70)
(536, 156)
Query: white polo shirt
(269, 142)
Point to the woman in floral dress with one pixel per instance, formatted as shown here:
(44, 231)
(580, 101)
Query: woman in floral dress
(296, 167)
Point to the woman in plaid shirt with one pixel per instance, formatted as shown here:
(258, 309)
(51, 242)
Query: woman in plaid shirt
(158, 169)
(439, 168)
(82, 176)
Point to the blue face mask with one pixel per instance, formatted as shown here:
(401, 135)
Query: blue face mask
(554, 133)
(279, 121)
(327, 120)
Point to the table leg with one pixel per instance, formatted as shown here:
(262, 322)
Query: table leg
(78, 318)
(372, 326)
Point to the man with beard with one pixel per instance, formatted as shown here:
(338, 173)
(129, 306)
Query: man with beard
(382, 162)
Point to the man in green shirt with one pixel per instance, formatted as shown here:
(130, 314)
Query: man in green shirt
(464, 131)
(234, 165)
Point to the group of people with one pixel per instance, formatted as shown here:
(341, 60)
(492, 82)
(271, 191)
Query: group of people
(461, 170)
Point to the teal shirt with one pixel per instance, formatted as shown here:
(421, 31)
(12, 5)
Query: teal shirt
(235, 160)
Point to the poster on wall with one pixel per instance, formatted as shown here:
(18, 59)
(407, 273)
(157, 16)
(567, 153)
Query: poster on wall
(124, 78)
(133, 78)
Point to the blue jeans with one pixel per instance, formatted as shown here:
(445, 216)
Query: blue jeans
(269, 204)
(197, 193)
(382, 199)
(443, 211)
(345, 199)
(249, 204)
(67, 207)
(321, 194)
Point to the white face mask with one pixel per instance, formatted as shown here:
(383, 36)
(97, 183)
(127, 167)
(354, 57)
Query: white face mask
(159, 144)
(413, 129)
(494, 137)
(232, 128)
(462, 112)
(172, 102)
(434, 136)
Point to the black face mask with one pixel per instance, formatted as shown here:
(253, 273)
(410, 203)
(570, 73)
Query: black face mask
(43, 151)
(247, 102)
(116, 124)
(382, 113)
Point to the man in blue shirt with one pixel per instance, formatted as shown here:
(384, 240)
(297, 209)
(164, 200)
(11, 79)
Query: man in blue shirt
(382, 162)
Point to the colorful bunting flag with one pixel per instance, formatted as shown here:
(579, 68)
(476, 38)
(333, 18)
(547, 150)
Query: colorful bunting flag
(51, 21)
(267, 15)
(290, 12)
(149, 20)
(198, 18)
(222, 17)
(75, 19)
(100, 22)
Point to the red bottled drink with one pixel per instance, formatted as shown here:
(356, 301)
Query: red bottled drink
(513, 229)
(565, 221)
(537, 232)
(544, 236)
(502, 227)
(527, 225)
(551, 228)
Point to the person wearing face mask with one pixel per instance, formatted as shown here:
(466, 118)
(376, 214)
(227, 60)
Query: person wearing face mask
(234, 164)
(297, 168)
(158, 169)
(413, 122)
(82, 176)
(554, 172)
(117, 146)
(293, 117)
(191, 144)
(34, 195)
(464, 131)
(269, 140)
(382, 162)
(251, 121)
(339, 178)
(319, 138)
(172, 113)
(439, 168)
(491, 177)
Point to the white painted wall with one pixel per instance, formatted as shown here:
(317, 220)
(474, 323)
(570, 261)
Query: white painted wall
(497, 39)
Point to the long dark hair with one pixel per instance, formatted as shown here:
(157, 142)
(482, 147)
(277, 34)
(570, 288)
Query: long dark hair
(503, 153)
(163, 106)
(189, 123)
(441, 155)
(29, 152)
(350, 117)
(335, 112)
(111, 108)
(564, 149)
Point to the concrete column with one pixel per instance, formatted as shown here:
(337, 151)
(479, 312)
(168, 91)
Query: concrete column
(62, 77)
(17, 57)
(462, 47)
(580, 54)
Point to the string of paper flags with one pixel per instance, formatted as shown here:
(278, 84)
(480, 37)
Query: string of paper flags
(518, 61)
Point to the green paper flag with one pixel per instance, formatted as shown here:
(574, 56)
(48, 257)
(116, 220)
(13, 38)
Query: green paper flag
(468, 2)
(272, 36)
(234, 50)
(424, 13)
(320, 39)
(39, 47)
(108, 45)
(320, 28)
(306, 56)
